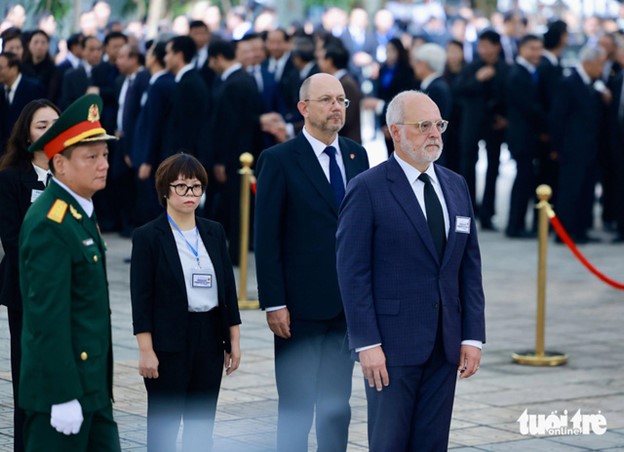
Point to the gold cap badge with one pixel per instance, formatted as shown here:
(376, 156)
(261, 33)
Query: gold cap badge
(94, 113)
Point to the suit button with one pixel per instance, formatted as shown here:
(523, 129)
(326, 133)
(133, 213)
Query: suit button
(95, 258)
(84, 356)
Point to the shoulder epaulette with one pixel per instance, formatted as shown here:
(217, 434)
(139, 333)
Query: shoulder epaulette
(57, 211)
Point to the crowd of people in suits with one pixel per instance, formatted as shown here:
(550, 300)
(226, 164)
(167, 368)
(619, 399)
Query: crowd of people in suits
(216, 96)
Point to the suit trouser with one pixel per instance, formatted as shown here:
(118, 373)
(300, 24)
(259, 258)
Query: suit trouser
(98, 433)
(15, 328)
(521, 193)
(575, 200)
(313, 369)
(414, 412)
(187, 388)
(467, 162)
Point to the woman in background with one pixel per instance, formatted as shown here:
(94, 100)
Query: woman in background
(37, 61)
(23, 176)
(184, 310)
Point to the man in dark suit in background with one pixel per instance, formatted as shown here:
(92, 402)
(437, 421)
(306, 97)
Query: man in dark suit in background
(199, 32)
(17, 91)
(147, 151)
(481, 90)
(77, 81)
(71, 61)
(550, 73)
(129, 88)
(335, 60)
(300, 186)
(234, 129)
(527, 125)
(409, 270)
(576, 122)
(189, 115)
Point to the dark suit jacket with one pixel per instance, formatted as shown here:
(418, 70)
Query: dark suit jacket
(295, 225)
(132, 107)
(104, 76)
(235, 121)
(16, 190)
(391, 280)
(189, 116)
(550, 77)
(159, 300)
(576, 120)
(439, 92)
(401, 79)
(56, 83)
(291, 84)
(525, 112)
(353, 127)
(480, 101)
(148, 145)
(75, 83)
(28, 89)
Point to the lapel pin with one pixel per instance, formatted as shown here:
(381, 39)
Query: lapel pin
(352, 156)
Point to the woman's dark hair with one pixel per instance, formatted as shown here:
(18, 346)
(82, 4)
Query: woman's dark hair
(30, 35)
(17, 146)
(171, 168)
(403, 55)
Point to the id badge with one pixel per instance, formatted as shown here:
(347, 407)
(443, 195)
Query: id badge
(202, 280)
(462, 224)
(35, 194)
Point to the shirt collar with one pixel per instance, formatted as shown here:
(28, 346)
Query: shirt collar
(156, 76)
(340, 73)
(86, 204)
(303, 73)
(42, 174)
(318, 146)
(412, 173)
(73, 60)
(428, 80)
(550, 57)
(525, 64)
(229, 71)
(16, 83)
(184, 70)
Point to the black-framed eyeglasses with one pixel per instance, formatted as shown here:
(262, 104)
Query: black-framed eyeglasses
(427, 126)
(326, 101)
(182, 189)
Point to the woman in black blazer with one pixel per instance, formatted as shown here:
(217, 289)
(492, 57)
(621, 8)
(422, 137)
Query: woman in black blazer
(22, 179)
(184, 310)
(395, 76)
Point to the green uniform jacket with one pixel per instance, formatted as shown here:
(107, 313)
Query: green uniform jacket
(66, 340)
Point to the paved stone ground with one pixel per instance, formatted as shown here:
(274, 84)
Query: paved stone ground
(583, 320)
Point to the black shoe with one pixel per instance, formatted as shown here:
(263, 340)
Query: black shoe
(486, 225)
(618, 239)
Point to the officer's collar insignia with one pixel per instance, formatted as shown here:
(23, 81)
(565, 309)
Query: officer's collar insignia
(74, 213)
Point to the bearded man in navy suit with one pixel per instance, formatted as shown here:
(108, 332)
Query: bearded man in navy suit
(409, 270)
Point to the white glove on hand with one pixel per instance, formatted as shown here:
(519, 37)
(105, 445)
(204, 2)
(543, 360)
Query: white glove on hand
(66, 417)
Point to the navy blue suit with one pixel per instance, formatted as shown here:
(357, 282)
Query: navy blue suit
(527, 121)
(295, 226)
(28, 89)
(396, 292)
(576, 120)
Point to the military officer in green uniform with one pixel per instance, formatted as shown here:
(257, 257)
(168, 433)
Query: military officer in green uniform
(67, 363)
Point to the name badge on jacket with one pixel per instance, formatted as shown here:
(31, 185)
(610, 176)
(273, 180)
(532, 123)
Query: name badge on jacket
(35, 194)
(462, 225)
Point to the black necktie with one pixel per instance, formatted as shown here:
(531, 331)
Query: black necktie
(48, 178)
(127, 101)
(435, 217)
(335, 176)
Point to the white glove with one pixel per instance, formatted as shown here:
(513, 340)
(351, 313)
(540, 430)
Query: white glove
(66, 417)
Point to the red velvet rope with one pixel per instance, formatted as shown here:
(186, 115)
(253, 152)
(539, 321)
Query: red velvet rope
(563, 235)
(252, 186)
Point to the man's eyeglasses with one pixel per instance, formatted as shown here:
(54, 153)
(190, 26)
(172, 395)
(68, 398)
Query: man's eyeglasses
(326, 101)
(182, 189)
(427, 126)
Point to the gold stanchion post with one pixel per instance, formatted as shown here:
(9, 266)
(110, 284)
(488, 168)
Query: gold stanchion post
(246, 159)
(540, 357)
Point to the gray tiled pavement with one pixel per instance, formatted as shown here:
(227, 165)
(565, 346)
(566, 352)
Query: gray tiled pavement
(584, 320)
